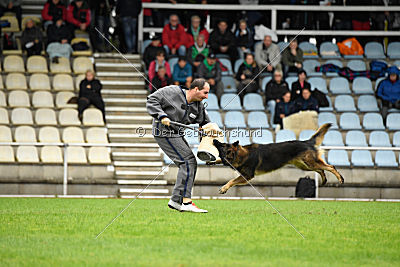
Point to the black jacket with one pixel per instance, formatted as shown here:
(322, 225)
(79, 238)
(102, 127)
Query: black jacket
(157, 82)
(297, 89)
(129, 8)
(218, 39)
(309, 104)
(249, 72)
(275, 91)
(203, 72)
(150, 54)
(56, 34)
(30, 35)
(283, 108)
(90, 89)
(245, 40)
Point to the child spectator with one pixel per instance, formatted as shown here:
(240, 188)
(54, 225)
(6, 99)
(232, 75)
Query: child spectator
(274, 91)
(59, 36)
(182, 74)
(152, 49)
(268, 54)
(222, 41)
(209, 70)
(283, 109)
(32, 39)
(89, 94)
(244, 38)
(160, 80)
(389, 91)
(174, 37)
(156, 64)
(197, 52)
(245, 75)
(300, 84)
(194, 30)
(129, 11)
(292, 58)
(52, 11)
(306, 101)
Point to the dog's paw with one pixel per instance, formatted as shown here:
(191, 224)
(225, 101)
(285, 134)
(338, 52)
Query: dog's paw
(223, 190)
(323, 182)
(341, 180)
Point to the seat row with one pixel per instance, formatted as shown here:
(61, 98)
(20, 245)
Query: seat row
(40, 99)
(40, 81)
(38, 64)
(46, 116)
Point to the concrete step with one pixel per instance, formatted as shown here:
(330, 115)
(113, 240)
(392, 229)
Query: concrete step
(130, 118)
(144, 191)
(118, 74)
(135, 110)
(125, 92)
(119, 84)
(122, 101)
(130, 137)
(118, 66)
(143, 175)
(137, 155)
(138, 163)
(142, 182)
(113, 56)
(129, 126)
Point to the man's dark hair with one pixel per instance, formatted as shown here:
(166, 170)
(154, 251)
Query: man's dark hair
(181, 58)
(199, 83)
(159, 53)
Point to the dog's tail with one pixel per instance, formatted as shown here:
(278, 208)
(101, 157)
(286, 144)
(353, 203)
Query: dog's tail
(318, 137)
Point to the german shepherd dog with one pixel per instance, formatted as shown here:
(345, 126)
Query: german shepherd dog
(256, 159)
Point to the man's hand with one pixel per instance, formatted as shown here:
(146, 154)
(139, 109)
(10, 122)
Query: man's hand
(242, 77)
(166, 121)
(282, 116)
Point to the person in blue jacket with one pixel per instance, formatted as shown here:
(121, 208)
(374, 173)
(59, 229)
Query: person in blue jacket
(389, 91)
(306, 101)
(284, 108)
(182, 73)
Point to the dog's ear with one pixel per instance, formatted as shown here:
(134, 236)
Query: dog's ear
(236, 144)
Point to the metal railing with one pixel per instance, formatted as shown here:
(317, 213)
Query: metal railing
(148, 145)
(274, 11)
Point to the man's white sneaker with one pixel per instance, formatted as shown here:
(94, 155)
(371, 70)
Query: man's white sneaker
(174, 205)
(191, 207)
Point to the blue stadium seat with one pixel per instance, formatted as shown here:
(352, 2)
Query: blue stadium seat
(367, 103)
(291, 80)
(237, 64)
(386, 158)
(334, 62)
(215, 117)
(338, 158)
(308, 49)
(264, 82)
(282, 45)
(362, 86)
(361, 158)
(373, 121)
(319, 83)
(285, 135)
(212, 102)
(333, 138)
(393, 50)
(262, 137)
(393, 121)
(349, 121)
(397, 63)
(230, 102)
(309, 66)
(328, 108)
(374, 50)
(339, 86)
(253, 101)
(396, 139)
(145, 44)
(344, 103)
(241, 135)
(331, 49)
(172, 61)
(379, 138)
(227, 63)
(229, 84)
(327, 117)
(234, 119)
(356, 138)
(192, 137)
(357, 65)
(306, 134)
(257, 119)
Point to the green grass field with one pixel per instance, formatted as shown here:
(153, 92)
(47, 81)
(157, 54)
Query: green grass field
(54, 232)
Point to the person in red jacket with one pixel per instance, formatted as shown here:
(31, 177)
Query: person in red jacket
(52, 11)
(78, 14)
(194, 30)
(174, 37)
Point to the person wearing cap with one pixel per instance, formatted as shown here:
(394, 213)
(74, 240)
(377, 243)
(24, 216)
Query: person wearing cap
(292, 58)
(179, 104)
(222, 41)
(152, 49)
(267, 55)
(300, 84)
(78, 14)
(389, 91)
(210, 70)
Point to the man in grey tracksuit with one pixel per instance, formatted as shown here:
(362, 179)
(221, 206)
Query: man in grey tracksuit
(176, 103)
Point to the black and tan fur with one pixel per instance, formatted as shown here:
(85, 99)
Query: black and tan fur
(256, 159)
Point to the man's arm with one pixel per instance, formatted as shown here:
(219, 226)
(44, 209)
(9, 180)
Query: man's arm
(275, 56)
(258, 56)
(154, 105)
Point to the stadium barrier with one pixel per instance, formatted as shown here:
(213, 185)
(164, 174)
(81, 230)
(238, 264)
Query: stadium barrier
(274, 13)
(126, 145)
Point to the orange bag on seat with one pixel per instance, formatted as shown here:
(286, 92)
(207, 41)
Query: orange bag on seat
(350, 47)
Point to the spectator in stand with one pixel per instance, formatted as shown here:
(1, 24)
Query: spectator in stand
(274, 91)
(222, 41)
(161, 79)
(210, 70)
(292, 58)
(12, 6)
(59, 36)
(389, 91)
(174, 37)
(32, 39)
(90, 94)
(284, 108)
(247, 76)
(300, 84)
(52, 11)
(129, 11)
(268, 54)
(156, 64)
(194, 30)
(78, 14)
(101, 16)
(244, 38)
(182, 74)
(197, 53)
(152, 49)
(306, 101)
